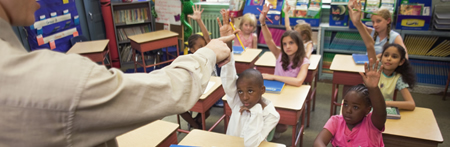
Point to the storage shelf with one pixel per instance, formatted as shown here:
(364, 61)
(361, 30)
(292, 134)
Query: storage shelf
(446, 59)
(431, 33)
(130, 24)
(283, 27)
(343, 51)
(124, 42)
(262, 45)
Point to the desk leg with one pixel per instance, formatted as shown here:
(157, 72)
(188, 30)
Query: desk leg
(308, 108)
(134, 59)
(334, 96)
(203, 121)
(143, 62)
(314, 91)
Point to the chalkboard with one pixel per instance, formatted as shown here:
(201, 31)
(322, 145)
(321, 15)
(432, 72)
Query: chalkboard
(168, 11)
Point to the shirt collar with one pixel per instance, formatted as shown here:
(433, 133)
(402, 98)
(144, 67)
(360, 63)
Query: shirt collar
(7, 34)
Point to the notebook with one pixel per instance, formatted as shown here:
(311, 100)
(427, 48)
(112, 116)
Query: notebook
(360, 58)
(392, 113)
(237, 50)
(273, 86)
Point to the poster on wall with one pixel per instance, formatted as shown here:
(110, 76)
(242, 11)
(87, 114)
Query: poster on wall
(169, 11)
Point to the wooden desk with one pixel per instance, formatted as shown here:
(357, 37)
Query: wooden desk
(158, 133)
(212, 139)
(246, 60)
(416, 128)
(206, 101)
(345, 72)
(97, 50)
(289, 103)
(153, 41)
(266, 64)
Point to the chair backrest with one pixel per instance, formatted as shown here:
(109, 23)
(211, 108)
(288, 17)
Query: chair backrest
(78, 39)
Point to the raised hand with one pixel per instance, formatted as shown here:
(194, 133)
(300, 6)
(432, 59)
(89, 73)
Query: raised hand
(286, 9)
(354, 10)
(225, 28)
(371, 77)
(197, 13)
(262, 16)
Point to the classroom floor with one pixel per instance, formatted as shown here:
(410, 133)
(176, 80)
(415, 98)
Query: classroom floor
(319, 117)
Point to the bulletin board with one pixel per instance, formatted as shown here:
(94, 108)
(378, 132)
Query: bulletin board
(56, 22)
(168, 11)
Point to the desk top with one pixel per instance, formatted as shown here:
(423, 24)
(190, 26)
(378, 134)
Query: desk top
(208, 139)
(151, 134)
(268, 59)
(314, 59)
(248, 55)
(420, 124)
(290, 97)
(151, 36)
(88, 47)
(345, 63)
(217, 84)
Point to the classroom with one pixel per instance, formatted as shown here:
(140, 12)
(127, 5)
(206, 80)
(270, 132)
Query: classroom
(133, 73)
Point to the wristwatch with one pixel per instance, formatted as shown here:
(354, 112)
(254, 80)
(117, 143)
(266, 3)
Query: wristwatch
(263, 24)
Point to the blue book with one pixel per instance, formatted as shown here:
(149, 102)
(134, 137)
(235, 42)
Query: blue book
(360, 58)
(273, 86)
(237, 50)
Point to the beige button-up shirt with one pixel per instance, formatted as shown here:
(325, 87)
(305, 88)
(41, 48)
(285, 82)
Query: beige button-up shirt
(53, 99)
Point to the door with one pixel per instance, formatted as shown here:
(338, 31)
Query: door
(94, 19)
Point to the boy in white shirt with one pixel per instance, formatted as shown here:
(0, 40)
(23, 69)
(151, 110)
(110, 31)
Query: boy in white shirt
(253, 117)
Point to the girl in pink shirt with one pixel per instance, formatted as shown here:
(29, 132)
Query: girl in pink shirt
(357, 126)
(247, 26)
(291, 66)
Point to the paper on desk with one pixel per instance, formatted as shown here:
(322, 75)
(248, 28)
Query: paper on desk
(209, 86)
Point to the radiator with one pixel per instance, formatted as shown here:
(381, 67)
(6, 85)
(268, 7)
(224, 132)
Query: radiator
(210, 21)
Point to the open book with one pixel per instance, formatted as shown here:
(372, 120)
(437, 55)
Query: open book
(273, 86)
(392, 113)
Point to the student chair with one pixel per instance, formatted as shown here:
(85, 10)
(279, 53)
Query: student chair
(78, 39)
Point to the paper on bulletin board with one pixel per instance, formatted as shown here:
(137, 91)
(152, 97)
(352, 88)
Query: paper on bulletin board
(168, 11)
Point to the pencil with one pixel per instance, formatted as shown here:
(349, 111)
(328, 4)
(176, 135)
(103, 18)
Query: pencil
(266, 16)
(237, 35)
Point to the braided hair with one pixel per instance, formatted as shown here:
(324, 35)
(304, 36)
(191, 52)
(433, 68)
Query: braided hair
(362, 91)
(384, 13)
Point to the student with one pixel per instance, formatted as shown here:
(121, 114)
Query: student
(196, 42)
(248, 37)
(357, 126)
(252, 116)
(291, 65)
(303, 28)
(381, 31)
(397, 72)
(52, 99)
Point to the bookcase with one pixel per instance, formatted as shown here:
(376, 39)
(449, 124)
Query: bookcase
(129, 19)
(430, 68)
